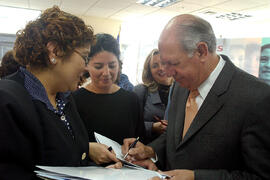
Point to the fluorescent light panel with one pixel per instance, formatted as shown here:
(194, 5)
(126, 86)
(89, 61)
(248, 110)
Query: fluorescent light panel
(157, 3)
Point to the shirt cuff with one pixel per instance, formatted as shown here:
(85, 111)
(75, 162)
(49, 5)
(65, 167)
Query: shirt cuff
(154, 160)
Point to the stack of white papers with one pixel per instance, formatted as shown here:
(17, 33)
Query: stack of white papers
(128, 172)
(116, 148)
(94, 173)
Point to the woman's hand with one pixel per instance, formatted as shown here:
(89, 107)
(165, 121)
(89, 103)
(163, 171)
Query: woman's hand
(160, 127)
(100, 154)
(117, 165)
(148, 164)
(177, 174)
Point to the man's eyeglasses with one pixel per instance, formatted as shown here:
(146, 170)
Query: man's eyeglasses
(85, 58)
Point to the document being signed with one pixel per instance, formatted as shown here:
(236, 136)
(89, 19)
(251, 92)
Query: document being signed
(94, 173)
(128, 172)
(116, 148)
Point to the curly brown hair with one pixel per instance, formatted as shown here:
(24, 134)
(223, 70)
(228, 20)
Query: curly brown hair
(8, 64)
(64, 30)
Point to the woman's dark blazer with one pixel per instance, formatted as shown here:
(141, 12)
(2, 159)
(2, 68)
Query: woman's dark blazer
(30, 134)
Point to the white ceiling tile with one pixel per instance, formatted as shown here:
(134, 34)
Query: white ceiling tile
(124, 16)
(77, 7)
(210, 11)
(258, 9)
(258, 12)
(100, 12)
(134, 11)
(128, 17)
(107, 8)
(183, 7)
(212, 17)
(205, 2)
(41, 5)
(162, 15)
(140, 9)
(129, 9)
(237, 5)
(262, 7)
(112, 4)
(125, 1)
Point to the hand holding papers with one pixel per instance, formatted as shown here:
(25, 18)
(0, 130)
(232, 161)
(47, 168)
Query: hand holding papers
(100, 154)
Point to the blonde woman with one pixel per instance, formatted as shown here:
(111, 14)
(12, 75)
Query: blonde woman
(153, 95)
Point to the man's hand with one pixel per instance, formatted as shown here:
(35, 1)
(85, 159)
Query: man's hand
(140, 152)
(178, 174)
(100, 154)
(148, 164)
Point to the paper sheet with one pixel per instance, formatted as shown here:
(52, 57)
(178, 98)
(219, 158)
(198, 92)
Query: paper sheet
(115, 145)
(95, 173)
(116, 148)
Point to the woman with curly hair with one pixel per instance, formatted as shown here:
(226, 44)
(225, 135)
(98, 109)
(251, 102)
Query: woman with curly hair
(39, 123)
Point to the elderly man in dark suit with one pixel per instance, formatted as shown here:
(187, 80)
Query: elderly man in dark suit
(219, 125)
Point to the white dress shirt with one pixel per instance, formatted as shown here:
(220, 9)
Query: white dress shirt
(205, 87)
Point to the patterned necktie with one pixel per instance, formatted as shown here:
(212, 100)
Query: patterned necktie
(191, 109)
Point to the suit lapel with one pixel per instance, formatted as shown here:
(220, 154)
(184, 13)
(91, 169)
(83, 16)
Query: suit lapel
(213, 102)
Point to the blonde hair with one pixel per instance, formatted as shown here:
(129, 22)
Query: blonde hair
(147, 77)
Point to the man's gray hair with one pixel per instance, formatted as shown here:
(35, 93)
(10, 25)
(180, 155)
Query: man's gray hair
(193, 31)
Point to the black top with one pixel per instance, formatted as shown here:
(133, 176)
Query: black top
(163, 92)
(115, 115)
(31, 134)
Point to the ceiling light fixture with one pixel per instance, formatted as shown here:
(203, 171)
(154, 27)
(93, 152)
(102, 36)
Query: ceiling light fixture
(233, 16)
(157, 3)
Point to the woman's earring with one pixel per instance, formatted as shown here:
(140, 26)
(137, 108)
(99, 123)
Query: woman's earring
(53, 60)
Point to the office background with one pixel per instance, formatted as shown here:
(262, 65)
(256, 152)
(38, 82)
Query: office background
(238, 24)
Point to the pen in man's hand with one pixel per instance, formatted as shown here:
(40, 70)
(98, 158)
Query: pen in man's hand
(109, 148)
(159, 120)
(132, 146)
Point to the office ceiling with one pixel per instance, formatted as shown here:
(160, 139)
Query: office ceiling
(128, 9)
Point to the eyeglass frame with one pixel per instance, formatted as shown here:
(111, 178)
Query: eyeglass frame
(85, 58)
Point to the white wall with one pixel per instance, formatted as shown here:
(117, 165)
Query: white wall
(102, 25)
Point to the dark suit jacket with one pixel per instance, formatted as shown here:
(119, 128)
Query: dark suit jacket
(30, 134)
(150, 105)
(230, 136)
